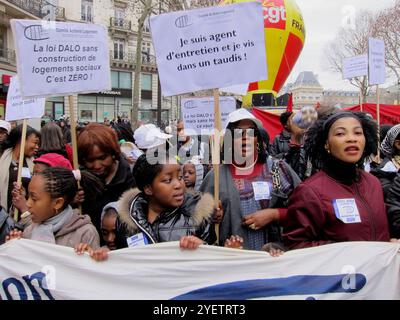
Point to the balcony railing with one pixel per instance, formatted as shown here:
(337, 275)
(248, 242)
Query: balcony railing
(121, 24)
(7, 56)
(130, 58)
(149, 60)
(39, 8)
(87, 17)
(122, 57)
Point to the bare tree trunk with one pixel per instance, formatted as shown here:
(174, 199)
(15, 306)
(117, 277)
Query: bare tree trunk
(138, 63)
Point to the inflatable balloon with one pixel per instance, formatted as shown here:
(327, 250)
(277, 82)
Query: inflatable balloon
(284, 41)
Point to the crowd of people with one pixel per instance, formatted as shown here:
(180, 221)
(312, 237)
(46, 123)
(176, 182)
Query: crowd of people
(312, 186)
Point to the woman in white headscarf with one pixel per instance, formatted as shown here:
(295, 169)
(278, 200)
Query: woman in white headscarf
(387, 171)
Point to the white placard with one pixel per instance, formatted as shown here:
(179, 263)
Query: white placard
(198, 113)
(18, 108)
(60, 58)
(210, 48)
(377, 67)
(354, 67)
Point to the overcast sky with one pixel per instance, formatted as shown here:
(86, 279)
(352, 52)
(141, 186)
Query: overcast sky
(322, 20)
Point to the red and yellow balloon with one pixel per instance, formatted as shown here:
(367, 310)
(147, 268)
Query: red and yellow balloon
(284, 40)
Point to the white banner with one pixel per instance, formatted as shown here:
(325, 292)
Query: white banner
(354, 67)
(198, 114)
(18, 108)
(210, 48)
(377, 66)
(60, 58)
(352, 270)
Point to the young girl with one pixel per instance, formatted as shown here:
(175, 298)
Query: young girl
(54, 221)
(193, 175)
(160, 210)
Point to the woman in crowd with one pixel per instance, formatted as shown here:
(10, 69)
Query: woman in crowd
(9, 162)
(253, 187)
(100, 153)
(54, 221)
(387, 170)
(335, 204)
(65, 131)
(52, 141)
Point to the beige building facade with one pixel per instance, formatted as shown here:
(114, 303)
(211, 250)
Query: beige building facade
(120, 17)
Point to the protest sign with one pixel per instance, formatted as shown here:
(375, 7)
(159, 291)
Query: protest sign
(210, 48)
(18, 108)
(377, 71)
(354, 67)
(348, 270)
(198, 114)
(60, 58)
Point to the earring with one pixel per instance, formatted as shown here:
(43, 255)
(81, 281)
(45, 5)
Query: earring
(56, 211)
(258, 147)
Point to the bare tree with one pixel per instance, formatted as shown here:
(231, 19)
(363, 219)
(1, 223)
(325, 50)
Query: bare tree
(146, 8)
(387, 28)
(352, 42)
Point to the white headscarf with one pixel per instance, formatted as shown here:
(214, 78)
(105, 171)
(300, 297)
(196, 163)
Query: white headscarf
(387, 146)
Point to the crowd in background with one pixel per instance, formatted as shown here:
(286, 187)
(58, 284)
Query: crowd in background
(311, 186)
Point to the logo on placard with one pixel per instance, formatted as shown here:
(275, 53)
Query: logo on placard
(36, 32)
(183, 22)
(189, 105)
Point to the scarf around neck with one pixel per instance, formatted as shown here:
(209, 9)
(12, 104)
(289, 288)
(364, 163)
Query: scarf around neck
(46, 230)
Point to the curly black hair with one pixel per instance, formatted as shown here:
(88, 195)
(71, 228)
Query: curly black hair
(317, 136)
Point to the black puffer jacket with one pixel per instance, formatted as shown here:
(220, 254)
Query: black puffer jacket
(7, 224)
(393, 207)
(280, 146)
(192, 218)
(386, 178)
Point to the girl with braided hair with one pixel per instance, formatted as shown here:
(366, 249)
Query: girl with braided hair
(54, 221)
(335, 204)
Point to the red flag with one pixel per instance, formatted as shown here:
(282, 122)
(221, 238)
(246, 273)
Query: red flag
(289, 107)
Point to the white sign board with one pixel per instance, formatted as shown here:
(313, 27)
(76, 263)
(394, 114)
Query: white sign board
(18, 108)
(210, 48)
(354, 67)
(198, 114)
(348, 270)
(377, 67)
(59, 58)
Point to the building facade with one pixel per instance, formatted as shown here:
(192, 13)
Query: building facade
(120, 17)
(307, 91)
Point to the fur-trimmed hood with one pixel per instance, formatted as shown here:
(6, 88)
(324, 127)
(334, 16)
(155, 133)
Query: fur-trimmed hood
(196, 206)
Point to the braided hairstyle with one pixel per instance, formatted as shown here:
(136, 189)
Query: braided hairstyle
(60, 182)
